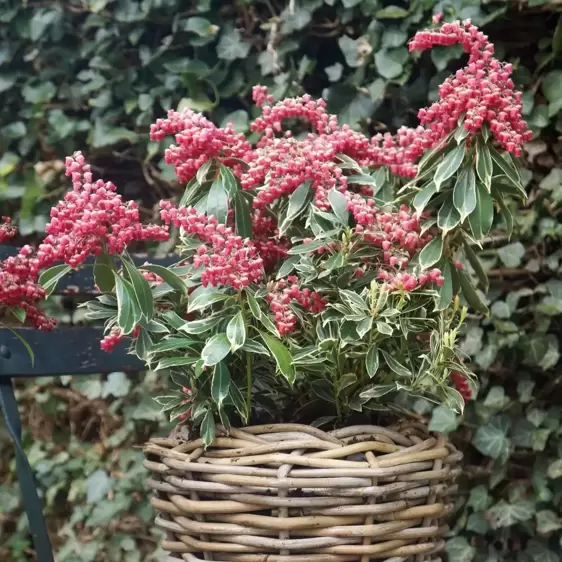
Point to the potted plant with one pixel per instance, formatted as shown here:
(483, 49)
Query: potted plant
(317, 293)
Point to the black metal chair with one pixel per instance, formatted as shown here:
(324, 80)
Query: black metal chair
(73, 350)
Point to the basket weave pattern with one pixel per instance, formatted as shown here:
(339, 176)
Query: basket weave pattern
(294, 493)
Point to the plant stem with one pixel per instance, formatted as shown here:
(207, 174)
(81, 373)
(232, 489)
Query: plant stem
(249, 383)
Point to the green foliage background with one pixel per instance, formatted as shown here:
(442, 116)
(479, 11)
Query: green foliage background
(93, 74)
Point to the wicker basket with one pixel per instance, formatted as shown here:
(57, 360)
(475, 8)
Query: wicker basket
(293, 493)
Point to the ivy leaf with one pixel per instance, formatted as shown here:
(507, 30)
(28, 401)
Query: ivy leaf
(388, 64)
(491, 438)
(512, 254)
(216, 349)
(464, 193)
(504, 514)
(231, 46)
(217, 201)
(221, 383)
(282, 357)
(431, 253)
(448, 167)
(481, 219)
(97, 486)
(459, 550)
(539, 552)
(448, 217)
(443, 420)
(479, 498)
(236, 331)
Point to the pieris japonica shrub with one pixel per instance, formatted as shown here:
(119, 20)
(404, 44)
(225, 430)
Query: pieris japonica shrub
(320, 272)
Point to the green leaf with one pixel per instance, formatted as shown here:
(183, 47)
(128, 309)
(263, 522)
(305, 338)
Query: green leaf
(236, 331)
(217, 201)
(168, 276)
(482, 217)
(395, 365)
(238, 401)
(506, 167)
(309, 247)
(443, 420)
(479, 498)
(448, 167)
(339, 202)
(372, 361)
(97, 486)
(548, 521)
(50, 277)
(458, 549)
(169, 362)
(208, 429)
(141, 289)
(282, 357)
(388, 63)
(476, 264)
(539, 552)
(504, 514)
(423, 197)
(484, 165)
(242, 218)
(231, 46)
(468, 291)
(464, 194)
(391, 12)
(297, 204)
(220, 384)
(25, 344)
(117, 384)
(448, 217)
(104, 269)
(203, 297)
(512, 254)
(126, 318)
(491, 438)
(431, 253)
(216, 349)
(446, 290)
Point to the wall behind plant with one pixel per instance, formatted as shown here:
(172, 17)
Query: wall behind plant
(93, 75)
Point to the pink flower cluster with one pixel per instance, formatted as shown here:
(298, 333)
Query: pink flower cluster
(282, 294)
(482, 91)
(398, 234)
(92, 217)
(19, 289)
(198, 141)
(7, 229)
(227, 258)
